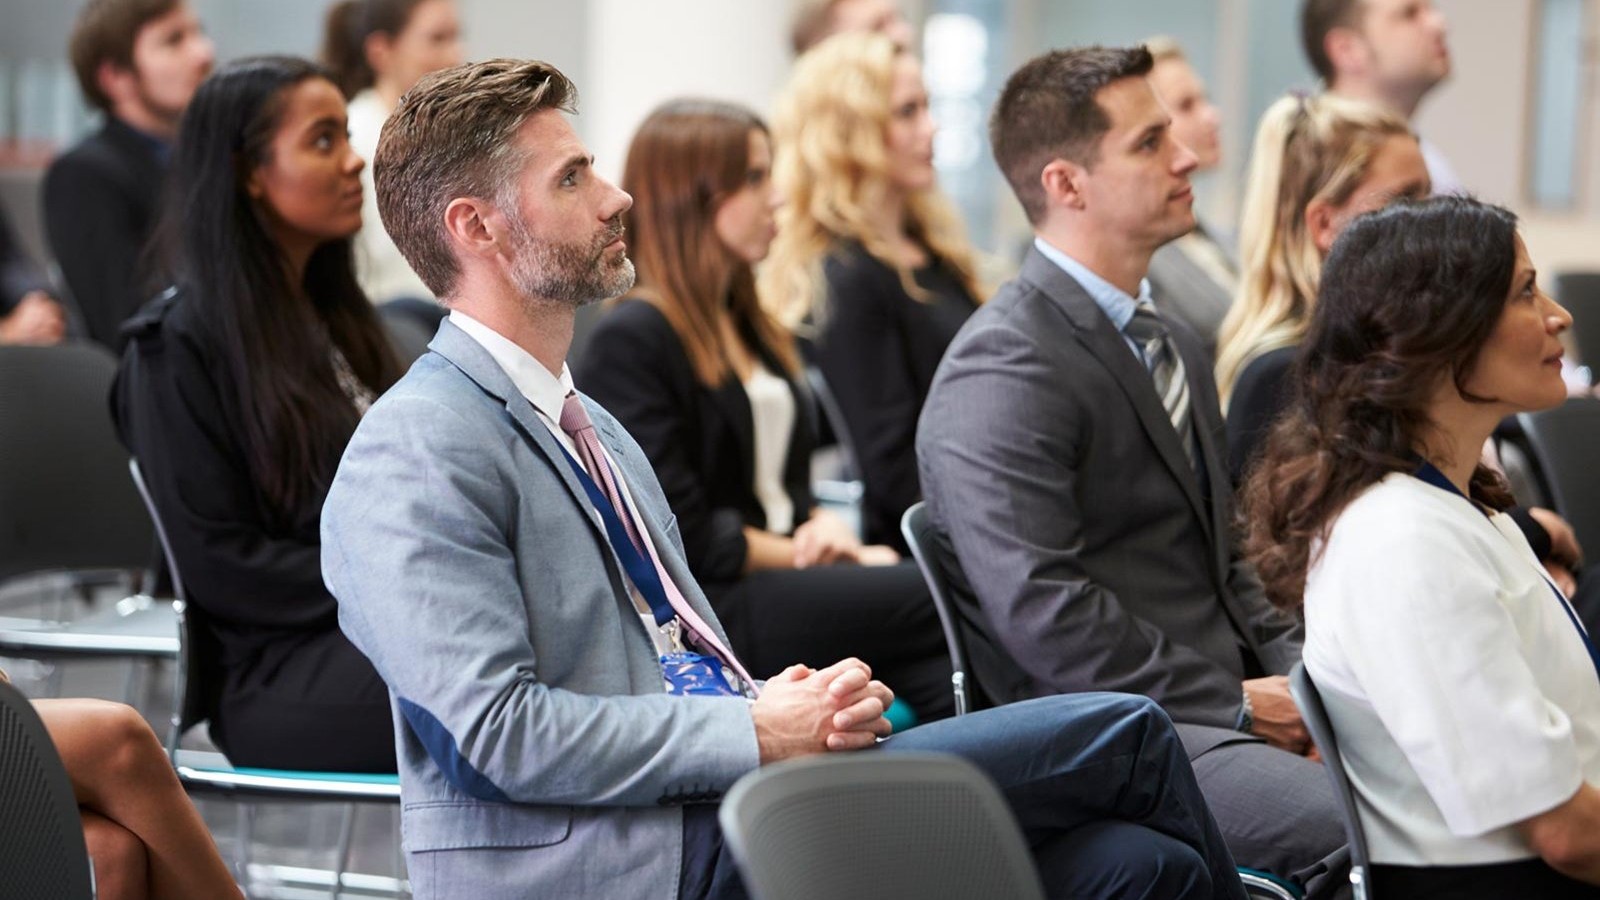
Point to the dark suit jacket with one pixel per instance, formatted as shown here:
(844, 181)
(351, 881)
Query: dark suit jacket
(878, 349)
(258, 579)
(700, 441)
(1098, 559)
(100, 203)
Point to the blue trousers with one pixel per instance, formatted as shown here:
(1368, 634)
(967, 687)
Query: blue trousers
(1099, 783)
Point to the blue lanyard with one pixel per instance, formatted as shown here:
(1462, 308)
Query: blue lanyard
(641, 571)
(1431, 474)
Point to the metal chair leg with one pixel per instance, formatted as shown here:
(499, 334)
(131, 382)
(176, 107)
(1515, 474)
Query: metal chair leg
(347, 828)
(241, 846)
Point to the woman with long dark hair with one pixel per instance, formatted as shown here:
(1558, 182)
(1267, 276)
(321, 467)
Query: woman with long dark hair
(710, 385)
(375, 50)
(238, 391)
(1465, 693)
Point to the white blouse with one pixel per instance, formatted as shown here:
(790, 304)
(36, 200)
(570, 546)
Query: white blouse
(382, 270)
(772, 409)
(1463, 695)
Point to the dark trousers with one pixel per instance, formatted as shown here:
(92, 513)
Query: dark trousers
(1099, 783)
(1531, 878)
(881, 615)
(315, 703)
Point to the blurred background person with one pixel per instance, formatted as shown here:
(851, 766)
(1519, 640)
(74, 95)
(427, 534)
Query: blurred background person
(138, 62)
(1318, 162)
(713, 389)
(376, 50)
(871, 262)
(1465, 695)
(1388, 52)
(238, 393)
(818, 20)
(1194, 277)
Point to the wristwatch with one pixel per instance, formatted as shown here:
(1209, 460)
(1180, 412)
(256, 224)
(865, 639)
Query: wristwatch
(1247, 718)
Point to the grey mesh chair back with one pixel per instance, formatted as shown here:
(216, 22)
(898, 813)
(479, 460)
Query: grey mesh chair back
(1563, 441)
(918, 531)
(65, 503)
(1316, 719)
(42, 852)
(927, 825)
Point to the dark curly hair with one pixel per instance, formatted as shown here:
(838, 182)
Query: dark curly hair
(1409, 294)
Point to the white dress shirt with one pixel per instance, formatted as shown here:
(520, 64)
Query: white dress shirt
(547, 393)
(772, 414)
(1462, 693)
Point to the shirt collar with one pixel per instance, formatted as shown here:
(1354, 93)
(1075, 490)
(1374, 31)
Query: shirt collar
(546, 392)
(1115, 302)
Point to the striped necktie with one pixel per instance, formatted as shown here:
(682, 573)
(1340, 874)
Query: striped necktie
(1166, 368)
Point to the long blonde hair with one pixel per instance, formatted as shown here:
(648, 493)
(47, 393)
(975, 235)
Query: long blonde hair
(1306, 149)
(831, 165)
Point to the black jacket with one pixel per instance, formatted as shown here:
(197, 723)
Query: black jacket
(700, 441)
(18, 274)
(258, 579)
(100, 204)
(878, 349)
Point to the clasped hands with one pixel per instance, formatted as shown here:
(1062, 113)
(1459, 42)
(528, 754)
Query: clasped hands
(803, 711)
(825, 540)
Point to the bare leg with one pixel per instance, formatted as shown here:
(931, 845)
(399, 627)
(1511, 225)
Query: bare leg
(119, 771)
(121, 867)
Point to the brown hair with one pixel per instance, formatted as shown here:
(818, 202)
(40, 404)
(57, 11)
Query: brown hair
(1409, 295)
(685, 160)
(813, 22)
(454, 135)
(105, 31)
(1047, 111)
(345, 33)
(1317, 18)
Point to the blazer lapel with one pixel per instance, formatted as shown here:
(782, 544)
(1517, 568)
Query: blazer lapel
(730, 402)
(1105, 343)
(475, 362)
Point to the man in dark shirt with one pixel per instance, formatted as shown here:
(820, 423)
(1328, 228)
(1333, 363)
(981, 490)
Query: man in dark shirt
(139, 62)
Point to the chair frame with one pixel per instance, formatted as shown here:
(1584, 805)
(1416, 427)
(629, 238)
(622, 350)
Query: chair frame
(211, 773)
(918, 532)
(1315, 714)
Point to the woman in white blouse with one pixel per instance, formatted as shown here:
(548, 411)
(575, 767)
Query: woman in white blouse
(1465, 694)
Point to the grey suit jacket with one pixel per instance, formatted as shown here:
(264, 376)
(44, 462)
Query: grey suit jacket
(1098, 560)
(539, 755)
(1182, 289)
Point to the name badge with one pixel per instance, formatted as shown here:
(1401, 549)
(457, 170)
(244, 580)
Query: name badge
(693, 674)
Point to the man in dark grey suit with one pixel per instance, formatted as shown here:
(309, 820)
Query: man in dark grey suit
(1071, 454)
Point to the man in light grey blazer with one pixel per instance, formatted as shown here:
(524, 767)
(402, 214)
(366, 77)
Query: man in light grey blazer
(1071, 455)
(502, 551)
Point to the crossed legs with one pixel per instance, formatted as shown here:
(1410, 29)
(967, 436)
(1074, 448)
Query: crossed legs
(145, 837)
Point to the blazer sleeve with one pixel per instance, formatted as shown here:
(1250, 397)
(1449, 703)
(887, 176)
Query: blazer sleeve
(98, 244)
(636, 368)
(428, 589)
(863, 355)
(240, 569)
(18, 275)
(1002, 486)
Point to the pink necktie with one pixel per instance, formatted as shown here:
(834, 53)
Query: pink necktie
(575, 422)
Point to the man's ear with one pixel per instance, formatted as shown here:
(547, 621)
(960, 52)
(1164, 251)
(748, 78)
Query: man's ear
(475, 226)
(118, 83)
(1063, 181)
(1323, 224)
(1346, 48)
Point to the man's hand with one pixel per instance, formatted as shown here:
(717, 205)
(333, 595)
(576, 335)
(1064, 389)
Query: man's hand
(1563, 578)
(804, 711)
(824, 539)
(1274, 716)
(1564, 549)
(37, 319)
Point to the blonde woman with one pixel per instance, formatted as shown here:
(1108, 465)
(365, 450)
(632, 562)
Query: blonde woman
(1318, 163)
(870, 261)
